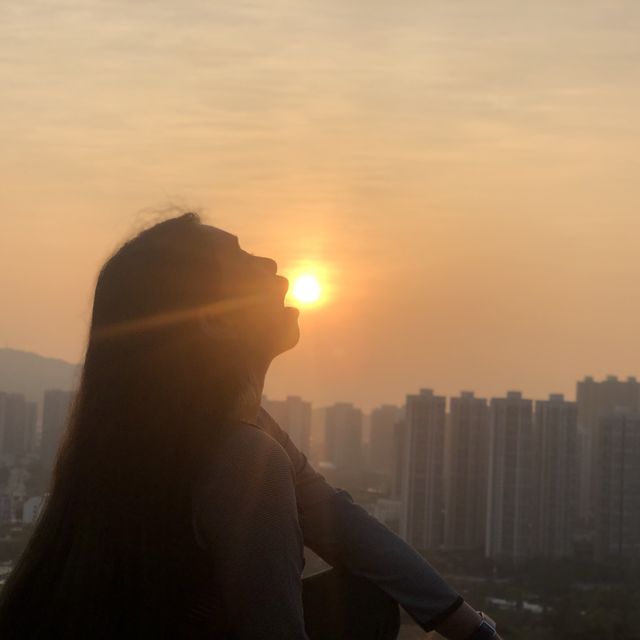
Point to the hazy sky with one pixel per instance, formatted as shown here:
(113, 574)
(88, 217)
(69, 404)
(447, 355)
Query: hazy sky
(467, 172)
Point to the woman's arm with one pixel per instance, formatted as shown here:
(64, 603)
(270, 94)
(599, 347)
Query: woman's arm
(245, 516)
(343, 533)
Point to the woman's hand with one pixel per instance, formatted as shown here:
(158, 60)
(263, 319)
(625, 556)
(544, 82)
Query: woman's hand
(462, 623)
(492, 622)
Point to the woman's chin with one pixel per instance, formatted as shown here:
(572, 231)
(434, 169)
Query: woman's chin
(278, 332)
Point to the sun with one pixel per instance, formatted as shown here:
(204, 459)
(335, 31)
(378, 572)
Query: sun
(306, 289)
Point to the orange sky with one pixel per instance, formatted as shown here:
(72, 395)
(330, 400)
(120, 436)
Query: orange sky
(466, 171)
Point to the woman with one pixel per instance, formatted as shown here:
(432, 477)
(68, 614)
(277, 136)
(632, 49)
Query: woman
(178, 507)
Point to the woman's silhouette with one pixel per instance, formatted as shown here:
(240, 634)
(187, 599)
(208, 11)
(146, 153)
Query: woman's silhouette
(178, 507)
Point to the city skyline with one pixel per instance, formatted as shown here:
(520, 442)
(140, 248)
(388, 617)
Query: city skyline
(499, 476)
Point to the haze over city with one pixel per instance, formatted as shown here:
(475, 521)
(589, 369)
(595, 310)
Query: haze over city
(462, 178)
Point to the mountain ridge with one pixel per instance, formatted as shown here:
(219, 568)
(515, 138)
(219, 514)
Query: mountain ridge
(32, 374)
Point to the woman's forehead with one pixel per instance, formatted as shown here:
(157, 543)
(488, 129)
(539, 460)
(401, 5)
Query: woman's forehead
(222, 236)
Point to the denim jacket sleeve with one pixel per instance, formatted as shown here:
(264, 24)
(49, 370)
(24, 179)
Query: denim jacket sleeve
(343, 534)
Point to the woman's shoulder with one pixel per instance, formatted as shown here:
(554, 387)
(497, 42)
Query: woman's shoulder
(244, 451)
(249, 474)
(247, 440)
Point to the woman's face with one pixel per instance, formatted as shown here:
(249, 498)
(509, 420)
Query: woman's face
(259, 317)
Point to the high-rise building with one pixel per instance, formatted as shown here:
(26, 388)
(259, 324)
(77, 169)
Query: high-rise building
(294, 415)
(423, 483)
(467, 473)
(318, 421)
(17, 424)
(55, 414)
(597, 400)
(557, 471)
(381, 437)
(617, 487)
(511, 497)
(3, 405)
(399, 460)
(343, 436)
(31, 435)
(6, 508)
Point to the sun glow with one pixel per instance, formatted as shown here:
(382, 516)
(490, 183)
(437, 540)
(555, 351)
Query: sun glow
(306, 289)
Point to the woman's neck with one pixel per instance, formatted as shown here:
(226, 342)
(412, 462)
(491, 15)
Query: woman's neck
(249, 404)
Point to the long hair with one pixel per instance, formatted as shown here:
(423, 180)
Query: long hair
(112, 554)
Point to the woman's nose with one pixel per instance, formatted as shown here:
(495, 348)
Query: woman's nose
(271, 265)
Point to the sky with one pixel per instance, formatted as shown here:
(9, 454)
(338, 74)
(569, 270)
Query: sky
(464, 174)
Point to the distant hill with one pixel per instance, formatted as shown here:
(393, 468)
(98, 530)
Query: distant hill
(31, 374)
